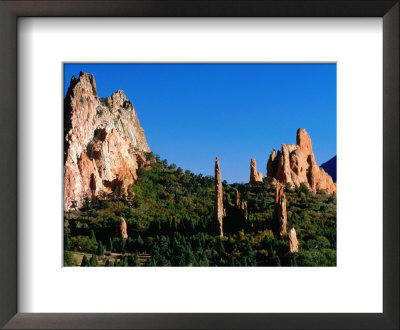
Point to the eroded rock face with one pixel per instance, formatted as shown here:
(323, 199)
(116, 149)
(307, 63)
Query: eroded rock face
(293, 242)
(295, 164)
(219, 211)
(280, 209)
(104, 142)
(123, 229)
(254, 175)
(241, 205)
(303, 140)
(270, 164)
(237, 198)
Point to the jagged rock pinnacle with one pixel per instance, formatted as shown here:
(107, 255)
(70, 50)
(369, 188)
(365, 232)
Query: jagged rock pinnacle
(103, 141)
(219, 211)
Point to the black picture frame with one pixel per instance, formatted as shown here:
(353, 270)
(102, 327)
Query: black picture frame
(9, 13)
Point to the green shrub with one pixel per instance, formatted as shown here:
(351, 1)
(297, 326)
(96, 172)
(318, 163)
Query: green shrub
(69, 259)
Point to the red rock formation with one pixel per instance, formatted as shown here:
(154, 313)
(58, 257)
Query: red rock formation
(293, 242)
(270, 164)
(280, 209)
(242, 205)
(254, 175)
(303, 140)
(237, 198)
(123, 229)
(244, 208)
(104, 142)
(219, 211)
(295, 164)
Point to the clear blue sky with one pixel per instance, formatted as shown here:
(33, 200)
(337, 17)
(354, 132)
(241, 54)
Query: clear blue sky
(192, 113)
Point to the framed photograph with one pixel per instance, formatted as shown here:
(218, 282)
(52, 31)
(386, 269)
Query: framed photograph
(200, 164)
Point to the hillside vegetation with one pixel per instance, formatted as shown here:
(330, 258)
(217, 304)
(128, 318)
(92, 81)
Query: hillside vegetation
(169, 224)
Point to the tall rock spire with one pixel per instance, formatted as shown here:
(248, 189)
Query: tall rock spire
(280, 209)
(122, 228)
(270, 164)
(219, 211)
(303, 140)
(293, 242)
(254, 175)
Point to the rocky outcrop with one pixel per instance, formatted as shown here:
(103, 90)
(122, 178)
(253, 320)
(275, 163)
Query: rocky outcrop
(293, 242)
(295, 164)
(122, 228)
(271, 164)
(280, 214)
(237, 198)
(254, 175)
(235, 211)
(219, 210)
(241, 205)
(303, 140)
(104, 142)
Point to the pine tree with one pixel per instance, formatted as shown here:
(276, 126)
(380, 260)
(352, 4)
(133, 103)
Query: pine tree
(182, 260)
(191, 226)
(123, 245)
(204, 261)
(85, 262)
(248, 249)
(67, 243)
(110, 245)
(93, 261)
(157, 226)
(190, 258)
(133, 261)
(220, 246)
(140, 242)
(203, 225)
(164, 245)
(69, 259)
(277, 261)
(136, 261)
(92, 235)
(170, 227)
(100, 249)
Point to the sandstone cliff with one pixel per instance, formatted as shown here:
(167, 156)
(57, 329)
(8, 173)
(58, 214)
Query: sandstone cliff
(295, 164)
(104, 142)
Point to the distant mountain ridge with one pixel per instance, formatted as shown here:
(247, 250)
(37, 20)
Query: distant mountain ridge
(330, 167)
